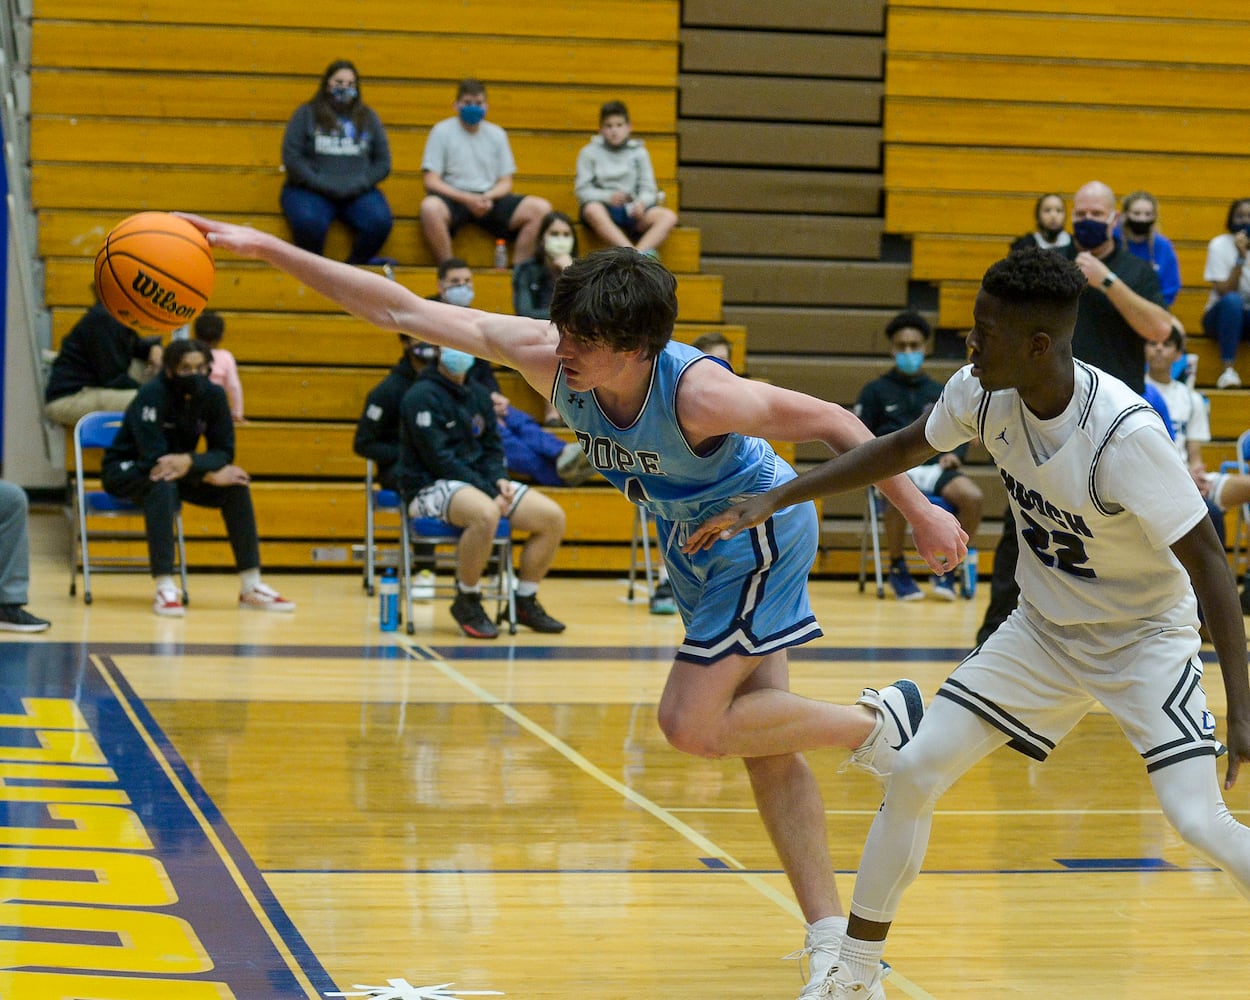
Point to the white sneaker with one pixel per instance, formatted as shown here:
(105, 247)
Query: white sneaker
(821, 951)
(839, 986)
(168, 603)
(1229, 379)
(901, 708)
(423, 586)
(263, 598)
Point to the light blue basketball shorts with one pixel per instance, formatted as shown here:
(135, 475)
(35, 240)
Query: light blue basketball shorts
(747, 595)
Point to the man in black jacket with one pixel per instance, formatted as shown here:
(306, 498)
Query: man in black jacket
(451, 466)
(154, 463)
(377, 431)
(96, 367)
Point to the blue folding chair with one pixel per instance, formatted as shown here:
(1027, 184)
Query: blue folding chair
(378, 500)
(436, 533)
(94, 433)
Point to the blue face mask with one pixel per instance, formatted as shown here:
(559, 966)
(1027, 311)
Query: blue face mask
(455, 362)
(909, 362)
(344, 95)
(459, 295)
(471, 114)
(1089, 233)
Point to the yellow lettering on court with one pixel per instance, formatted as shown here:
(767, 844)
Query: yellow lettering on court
(151, 943)
(94, 826)
(67, 986)
(58, 772)
(46, 713)
(58, 747)
(117, 879)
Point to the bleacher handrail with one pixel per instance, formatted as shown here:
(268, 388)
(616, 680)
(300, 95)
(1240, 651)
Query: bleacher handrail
(36, 323)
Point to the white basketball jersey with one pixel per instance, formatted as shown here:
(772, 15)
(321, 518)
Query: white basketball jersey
(1096, 517)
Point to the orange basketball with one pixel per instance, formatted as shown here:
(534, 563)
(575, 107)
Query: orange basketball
(154, 272)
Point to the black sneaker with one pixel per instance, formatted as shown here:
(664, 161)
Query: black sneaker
(533, 615)
(15, 618)
(662, 601)
(472, 617)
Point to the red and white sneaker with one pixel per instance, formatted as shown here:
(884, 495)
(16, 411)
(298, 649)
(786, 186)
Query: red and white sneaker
(263, 598)
(168, 603)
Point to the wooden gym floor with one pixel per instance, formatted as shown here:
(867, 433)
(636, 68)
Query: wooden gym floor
(267, 807)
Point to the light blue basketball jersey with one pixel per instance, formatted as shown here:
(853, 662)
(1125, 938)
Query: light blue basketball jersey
(747, 595)
(650, 460)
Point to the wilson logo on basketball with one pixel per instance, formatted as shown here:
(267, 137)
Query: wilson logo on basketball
(165, 300)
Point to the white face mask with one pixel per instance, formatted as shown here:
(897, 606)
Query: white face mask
(558, 246)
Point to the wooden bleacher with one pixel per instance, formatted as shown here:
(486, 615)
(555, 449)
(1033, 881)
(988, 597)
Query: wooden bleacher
(195, 123)
(992, 104)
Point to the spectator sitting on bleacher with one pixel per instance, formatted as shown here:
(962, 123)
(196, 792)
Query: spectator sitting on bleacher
(534, 280)
(451, 466)
(1227, 314)
(1141, 237)
(154, 463)
(377, 430)
(467, 166)
(895, 400)
(100, 366)
(616, 189)
(1050, 213)
(335, 153)
(210, 328)
(536, 454)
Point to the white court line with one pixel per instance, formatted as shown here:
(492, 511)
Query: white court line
(425, 655)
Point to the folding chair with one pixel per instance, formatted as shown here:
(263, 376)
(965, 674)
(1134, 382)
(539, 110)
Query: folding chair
(870, 535)
(95, 432)
(438, 534)
(378, 500)
(640, 540)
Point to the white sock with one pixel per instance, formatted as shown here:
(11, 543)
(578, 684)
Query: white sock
(248, 579)
(862, 959)
(475, 589)
(165, 583)
(524, 588)
(827, 927)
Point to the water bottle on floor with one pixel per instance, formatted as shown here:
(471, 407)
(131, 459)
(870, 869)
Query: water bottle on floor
(501, 255)
(388, 602)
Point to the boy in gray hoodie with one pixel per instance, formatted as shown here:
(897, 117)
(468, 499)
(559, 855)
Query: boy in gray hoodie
(615, 186)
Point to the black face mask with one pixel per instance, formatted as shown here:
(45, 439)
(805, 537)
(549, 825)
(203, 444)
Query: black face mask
(189, 385)
(1139, 227)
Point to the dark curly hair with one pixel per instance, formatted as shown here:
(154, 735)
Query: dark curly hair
(1035, 277)
(619, 298)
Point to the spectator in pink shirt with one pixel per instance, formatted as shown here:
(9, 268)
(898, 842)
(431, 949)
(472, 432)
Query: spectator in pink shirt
(209, 329)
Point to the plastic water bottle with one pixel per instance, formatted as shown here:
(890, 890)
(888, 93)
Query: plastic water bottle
(388, 602)
(501, 255)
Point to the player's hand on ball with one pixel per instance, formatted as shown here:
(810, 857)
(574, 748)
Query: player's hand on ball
(730, 522)
(241, 240)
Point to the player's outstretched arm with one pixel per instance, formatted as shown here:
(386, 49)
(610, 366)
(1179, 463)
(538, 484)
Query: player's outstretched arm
(713, 401)
(869, 462)
(1200, 552)
(513, 341)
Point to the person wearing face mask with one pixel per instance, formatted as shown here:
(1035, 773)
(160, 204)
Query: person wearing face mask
(1050, 215)
(895, 400)
(153, 462)
(467, 167)
(1140, 235)
(1120, 311)
(1227, 313)
(335, 153)
(616, 189)
(452, 466)
(534, 280)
